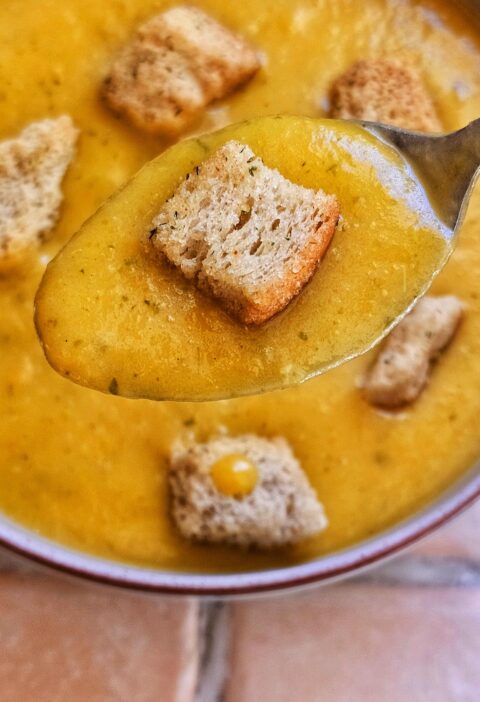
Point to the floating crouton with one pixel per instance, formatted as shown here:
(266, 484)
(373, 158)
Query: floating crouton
(246, 235)
(176, 64)
(281, 509)
(401, 370)
(32, 167)
(384, 90)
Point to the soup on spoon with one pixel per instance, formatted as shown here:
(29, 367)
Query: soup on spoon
(116, 317)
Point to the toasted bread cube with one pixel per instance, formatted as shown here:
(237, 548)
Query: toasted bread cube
(282, 509)
(384, 90)
(248, 236)
(32, 167)
(176, 64)
(402, 367)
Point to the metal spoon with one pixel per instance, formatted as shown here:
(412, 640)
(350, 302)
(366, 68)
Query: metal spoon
(447, 164)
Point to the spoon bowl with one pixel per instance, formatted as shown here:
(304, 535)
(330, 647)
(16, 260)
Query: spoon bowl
(114, 317)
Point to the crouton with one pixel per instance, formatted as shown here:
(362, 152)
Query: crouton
(176, 64)
(402, 368)
(32, 167)
(245, 235)
(384, 90)
(282, 508)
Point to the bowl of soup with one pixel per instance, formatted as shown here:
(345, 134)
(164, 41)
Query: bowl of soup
(83, 475)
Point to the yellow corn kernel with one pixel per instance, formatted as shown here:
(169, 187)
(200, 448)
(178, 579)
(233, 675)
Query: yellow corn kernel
(234, 475)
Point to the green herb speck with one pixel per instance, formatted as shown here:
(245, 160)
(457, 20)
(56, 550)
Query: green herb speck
(380, 458)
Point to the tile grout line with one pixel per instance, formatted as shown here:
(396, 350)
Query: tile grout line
(214, 650)
(188, 676)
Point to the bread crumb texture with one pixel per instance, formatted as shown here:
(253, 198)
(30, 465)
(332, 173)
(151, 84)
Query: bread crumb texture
(245, 234)
(402, 367)
(282, 509)
(384, 90)
(32, 167)
(175, 65)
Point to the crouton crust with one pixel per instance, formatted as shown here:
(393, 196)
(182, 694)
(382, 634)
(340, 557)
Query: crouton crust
(245, 234)
(32, 166)
(282, 509)
(175, 65)
(401, 370)
(384, 90)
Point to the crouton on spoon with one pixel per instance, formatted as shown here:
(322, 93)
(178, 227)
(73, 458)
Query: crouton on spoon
(249, 237)
(259, 296)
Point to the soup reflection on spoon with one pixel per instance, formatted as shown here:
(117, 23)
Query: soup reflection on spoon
(115, 316)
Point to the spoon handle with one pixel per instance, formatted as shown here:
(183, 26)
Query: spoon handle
(446, 164)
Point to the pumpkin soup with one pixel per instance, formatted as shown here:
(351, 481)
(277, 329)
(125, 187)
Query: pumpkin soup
(89, 470)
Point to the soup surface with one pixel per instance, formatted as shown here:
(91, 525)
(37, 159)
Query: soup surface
(110, 313)
(89, 470)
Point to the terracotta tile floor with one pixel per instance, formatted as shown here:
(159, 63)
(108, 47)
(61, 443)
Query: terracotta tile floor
(359, 642)
(60, 641)
(408, 631)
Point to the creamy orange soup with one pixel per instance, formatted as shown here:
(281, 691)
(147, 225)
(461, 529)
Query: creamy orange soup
(89, 470)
